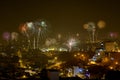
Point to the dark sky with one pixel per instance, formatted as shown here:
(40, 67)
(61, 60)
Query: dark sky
(63, 15)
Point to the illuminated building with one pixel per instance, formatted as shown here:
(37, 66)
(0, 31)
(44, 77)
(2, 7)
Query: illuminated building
(111, 46)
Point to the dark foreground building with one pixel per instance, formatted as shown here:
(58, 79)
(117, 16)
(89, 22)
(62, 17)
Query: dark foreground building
(112, 75)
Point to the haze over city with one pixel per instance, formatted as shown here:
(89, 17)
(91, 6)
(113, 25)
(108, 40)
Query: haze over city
(59, 39)
(63, 16)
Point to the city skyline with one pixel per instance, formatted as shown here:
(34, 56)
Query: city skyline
(59, 39)
(63, 16)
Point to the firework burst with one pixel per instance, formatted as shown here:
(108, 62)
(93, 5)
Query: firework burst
(35, 32)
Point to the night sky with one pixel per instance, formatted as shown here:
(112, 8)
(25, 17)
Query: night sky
(63, 15)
